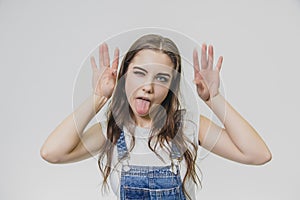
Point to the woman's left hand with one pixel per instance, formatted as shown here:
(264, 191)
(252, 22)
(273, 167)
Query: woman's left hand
(207, 78)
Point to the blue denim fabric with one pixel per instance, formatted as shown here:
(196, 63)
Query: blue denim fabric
(148, 182)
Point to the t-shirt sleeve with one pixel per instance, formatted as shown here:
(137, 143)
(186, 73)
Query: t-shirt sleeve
(104, 128)
(191, 127)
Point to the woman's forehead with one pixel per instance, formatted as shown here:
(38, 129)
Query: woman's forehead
(148, 57)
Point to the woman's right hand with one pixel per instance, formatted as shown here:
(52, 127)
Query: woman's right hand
(104, 77)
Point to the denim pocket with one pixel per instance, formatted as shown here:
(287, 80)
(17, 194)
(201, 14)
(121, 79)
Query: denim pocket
(136, 193)
(133, 193)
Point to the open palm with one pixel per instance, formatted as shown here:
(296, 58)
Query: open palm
(207, 79)
(104, 76)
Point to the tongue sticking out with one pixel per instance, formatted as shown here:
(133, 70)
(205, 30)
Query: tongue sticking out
(142, 106)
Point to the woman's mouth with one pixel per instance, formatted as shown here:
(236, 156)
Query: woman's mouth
(142, 105)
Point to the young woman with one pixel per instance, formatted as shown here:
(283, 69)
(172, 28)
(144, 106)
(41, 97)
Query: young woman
(148, 146)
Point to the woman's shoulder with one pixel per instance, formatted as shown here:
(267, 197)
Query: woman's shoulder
(190, 125)
(103, 125)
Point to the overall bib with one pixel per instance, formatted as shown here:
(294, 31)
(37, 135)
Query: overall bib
(149, 182)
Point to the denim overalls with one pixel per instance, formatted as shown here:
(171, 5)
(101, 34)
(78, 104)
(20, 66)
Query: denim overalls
(149, 182)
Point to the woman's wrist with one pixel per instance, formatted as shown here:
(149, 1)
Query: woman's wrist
(211, 100)
(98, 102)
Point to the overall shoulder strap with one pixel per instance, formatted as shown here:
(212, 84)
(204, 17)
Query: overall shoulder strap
(122, 147)
(175, 153)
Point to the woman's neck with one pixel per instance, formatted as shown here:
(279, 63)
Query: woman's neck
(143, 122)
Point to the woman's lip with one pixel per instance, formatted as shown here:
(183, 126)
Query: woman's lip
(144, 98)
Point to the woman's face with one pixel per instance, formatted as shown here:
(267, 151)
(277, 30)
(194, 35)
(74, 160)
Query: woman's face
(148, 80)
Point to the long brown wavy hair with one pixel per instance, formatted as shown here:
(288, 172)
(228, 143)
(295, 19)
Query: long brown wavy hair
(167, 124)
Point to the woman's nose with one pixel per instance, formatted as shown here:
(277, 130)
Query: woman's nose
(148, 88)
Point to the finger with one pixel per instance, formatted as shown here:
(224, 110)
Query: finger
(93, 63)
(219, 64)
(210, 57)
(198, 79)
(101, 57)
(203, 56)
(196, 62)
(105, 55)
(115, 63)
(201, 85)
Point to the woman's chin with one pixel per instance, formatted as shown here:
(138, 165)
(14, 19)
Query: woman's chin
(142, 114)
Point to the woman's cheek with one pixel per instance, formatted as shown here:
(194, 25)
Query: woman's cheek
(130, 88)
(161, 93)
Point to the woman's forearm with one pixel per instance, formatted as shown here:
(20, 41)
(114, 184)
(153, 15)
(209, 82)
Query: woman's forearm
(243, 135)
(66, 135)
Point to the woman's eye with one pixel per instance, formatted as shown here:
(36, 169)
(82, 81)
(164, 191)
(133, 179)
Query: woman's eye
(139, 73)
(162, 79)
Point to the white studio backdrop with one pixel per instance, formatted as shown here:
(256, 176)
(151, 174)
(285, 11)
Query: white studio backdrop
(44, 43)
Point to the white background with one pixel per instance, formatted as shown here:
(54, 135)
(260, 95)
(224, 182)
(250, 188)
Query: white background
(43, 43)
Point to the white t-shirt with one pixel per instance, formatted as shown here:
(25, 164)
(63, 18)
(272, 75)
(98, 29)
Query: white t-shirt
(142, 155)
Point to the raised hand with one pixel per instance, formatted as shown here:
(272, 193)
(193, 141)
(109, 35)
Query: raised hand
(104, 77)
(207, 78)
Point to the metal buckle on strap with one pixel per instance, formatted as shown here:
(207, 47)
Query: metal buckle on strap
(126, 167)
(174, 164)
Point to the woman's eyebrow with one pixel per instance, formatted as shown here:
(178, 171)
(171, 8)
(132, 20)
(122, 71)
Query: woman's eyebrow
(140, 68)
(164, 74)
